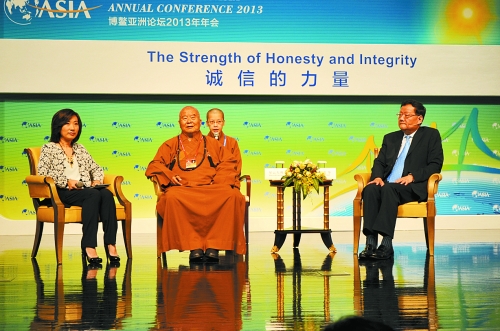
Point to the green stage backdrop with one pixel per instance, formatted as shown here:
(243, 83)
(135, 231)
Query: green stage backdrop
(124, 136)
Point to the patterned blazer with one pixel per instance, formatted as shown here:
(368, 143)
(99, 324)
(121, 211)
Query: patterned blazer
(52, 159)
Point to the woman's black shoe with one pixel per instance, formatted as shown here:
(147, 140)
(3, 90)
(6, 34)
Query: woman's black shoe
(212, 255)
(111, 258)
(196, 255)
(91, 260)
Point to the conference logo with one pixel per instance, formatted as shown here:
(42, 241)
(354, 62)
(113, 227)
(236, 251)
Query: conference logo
(495, 126)
(248, 152)
(335, 125)
(140, 139)
(95, 139)
(457, 208)
(139, 196)
(4, 139)
(8, 198)
(46, 139)
(268, 194)
(314, 139)
(354, 139)
(479, 194)
(28, 212)
(496, 209)
(118, 125)
(251, 125)
(294, 125)
(22, 12)
(30, 125)
(292, 152)
(333, 152)
(378, 125)
(4, 168)
(116, 153)
(273, 139)
(165, 125)
(442, 195)
(140, 168)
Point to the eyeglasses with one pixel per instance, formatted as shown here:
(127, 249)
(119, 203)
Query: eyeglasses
(212, 122)
(405, 115)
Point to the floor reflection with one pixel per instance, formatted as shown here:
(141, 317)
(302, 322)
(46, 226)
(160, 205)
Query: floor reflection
(458, 289)
(403, 308)
(299, 318)
(201, 296)
(84, 308)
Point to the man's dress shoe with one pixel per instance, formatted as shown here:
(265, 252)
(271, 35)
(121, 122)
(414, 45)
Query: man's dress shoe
(196, 255)
(367, 252)
(383, 253)
(212, 255)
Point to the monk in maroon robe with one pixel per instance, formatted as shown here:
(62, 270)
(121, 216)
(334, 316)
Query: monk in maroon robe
(216, 122)
(202, 207)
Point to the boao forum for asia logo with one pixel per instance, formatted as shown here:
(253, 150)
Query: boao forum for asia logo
(22, 12)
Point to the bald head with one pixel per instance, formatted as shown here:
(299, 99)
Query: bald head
(215, 111)
(189, 120)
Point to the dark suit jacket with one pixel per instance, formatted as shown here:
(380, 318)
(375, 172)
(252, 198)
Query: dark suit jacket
(425, 157)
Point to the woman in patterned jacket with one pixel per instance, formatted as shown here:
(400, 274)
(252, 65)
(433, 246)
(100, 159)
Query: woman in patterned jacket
(76, 173)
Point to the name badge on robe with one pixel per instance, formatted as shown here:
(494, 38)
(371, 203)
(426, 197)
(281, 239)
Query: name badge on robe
(190, 163)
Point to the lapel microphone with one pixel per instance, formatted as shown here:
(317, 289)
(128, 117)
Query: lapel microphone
(216, 135)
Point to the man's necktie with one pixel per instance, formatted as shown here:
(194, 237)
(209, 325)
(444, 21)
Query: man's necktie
(397, 171)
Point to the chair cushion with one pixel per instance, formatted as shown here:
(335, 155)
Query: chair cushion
(410, 209)
(72, 214)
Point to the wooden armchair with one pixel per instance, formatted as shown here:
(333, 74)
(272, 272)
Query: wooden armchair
(159, 220)
(43, 187)
(426, 210)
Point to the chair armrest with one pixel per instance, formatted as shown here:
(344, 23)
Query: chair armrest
(432, 185)
(156, 186)
(43, 187)
(362, 179)
(116, 188)
(248, 181)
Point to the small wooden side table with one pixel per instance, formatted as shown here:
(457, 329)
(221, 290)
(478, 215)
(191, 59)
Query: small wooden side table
(280, 233)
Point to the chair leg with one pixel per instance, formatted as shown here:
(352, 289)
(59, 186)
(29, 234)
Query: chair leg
(429, 229)
(356, 232)
(58, 237)
(159, 227)
(127, 234)
(246, 223)
(358, 294)
(38, 238)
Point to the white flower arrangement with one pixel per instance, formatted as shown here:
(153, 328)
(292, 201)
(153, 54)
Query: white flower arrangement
(304, 176)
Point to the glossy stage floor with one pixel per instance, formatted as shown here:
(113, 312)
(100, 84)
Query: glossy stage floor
(299, 289)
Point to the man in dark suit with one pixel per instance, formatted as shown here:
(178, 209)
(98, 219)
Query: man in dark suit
(407, 159)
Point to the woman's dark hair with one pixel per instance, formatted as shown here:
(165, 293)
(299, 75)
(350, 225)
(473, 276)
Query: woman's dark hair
(59, 120)
(419, 107)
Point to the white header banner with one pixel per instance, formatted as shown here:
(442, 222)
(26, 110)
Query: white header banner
(115, 67)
